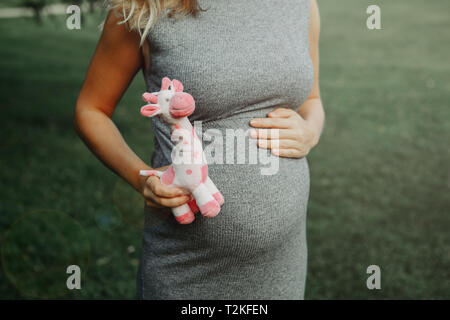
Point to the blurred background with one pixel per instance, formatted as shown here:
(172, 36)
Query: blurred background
(380, 178)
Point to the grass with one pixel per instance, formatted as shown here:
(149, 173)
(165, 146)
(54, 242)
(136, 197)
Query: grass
(379, 177)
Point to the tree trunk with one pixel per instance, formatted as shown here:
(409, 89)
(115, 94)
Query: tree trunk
(91, 6)
(37, 14)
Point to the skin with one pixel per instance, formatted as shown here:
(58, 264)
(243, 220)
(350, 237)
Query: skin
(110, 74)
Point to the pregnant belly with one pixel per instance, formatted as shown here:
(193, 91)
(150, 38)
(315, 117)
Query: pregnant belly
(265, 202)
(262, 211)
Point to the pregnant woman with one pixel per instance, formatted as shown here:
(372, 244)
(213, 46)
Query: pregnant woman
(249, 64)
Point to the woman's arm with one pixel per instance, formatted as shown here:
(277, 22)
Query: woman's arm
(312, 110)
(116, 61)
(298, 131)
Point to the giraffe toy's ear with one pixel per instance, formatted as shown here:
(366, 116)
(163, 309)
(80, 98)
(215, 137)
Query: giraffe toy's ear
(150, 97)
(150, 110)
(178, 85)
(165, 83)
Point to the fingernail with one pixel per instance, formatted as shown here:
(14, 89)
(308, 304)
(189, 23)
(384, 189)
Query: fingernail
(253, 134)
(253, 122)
(262, 143)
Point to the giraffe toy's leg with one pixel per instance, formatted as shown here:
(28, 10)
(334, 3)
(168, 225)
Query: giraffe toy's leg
(183, 214)
(209, 207)
(214, 191)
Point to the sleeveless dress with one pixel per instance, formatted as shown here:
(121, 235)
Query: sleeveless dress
(239, 60)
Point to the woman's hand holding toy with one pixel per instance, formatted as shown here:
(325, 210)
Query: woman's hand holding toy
(157, 194)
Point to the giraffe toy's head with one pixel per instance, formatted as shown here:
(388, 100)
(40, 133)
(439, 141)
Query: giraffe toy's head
(170, 104)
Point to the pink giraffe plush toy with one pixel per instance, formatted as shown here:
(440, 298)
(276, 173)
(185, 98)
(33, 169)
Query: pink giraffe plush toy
(189, 169)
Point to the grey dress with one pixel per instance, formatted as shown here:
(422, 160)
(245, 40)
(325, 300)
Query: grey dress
(239, 60)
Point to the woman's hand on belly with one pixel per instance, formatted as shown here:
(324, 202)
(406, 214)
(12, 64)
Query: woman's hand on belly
(294, 137)
(157, 194)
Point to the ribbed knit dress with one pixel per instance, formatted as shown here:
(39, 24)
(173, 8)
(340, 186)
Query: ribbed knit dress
(239, 60)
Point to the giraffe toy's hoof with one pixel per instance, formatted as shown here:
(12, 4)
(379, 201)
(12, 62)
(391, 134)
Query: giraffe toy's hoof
(186, 218)
(219, 198)
(210, 209)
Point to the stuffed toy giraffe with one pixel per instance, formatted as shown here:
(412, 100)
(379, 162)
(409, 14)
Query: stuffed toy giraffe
(189, 169)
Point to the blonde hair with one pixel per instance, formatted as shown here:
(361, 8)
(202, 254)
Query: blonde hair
(142, 15)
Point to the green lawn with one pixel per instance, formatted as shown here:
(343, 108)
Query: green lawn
(379, 178)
